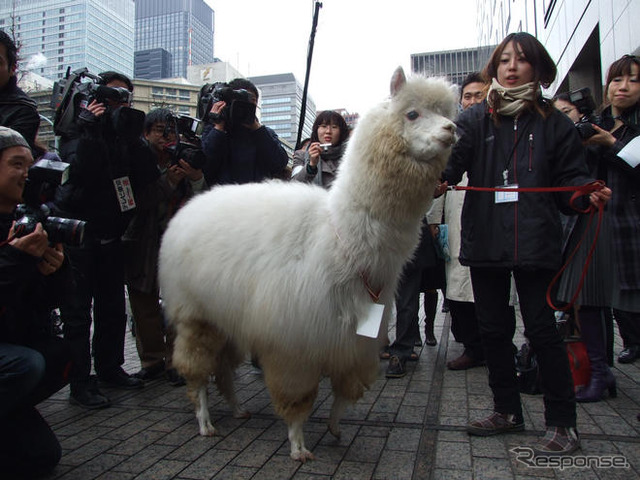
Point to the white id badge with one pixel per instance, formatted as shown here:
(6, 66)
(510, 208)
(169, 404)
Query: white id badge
(370, 326)
(124, 192)
(506, 197)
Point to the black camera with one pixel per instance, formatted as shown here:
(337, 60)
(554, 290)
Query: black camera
(189, 150)
(43, 177)
(583, 101)
(240, 108)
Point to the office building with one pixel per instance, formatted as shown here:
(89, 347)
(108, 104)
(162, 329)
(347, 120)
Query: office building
(454, 64)
(72, 33)
(583, 38)
(152, 64)
(184, 28)
(281, 106)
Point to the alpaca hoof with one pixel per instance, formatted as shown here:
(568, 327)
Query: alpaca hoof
(241, 414)
(335, 430)
(207, 430)
(302, 455)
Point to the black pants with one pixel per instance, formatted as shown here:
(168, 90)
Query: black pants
(491, 291)
(98, 277)
(628, 326)
(465, 329)
(407, 308)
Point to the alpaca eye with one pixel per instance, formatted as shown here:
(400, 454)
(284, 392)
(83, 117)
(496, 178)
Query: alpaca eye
(412, 115)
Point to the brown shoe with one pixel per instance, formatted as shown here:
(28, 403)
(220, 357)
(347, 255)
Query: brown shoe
(494, 424)
(558, 441)
(464, 362)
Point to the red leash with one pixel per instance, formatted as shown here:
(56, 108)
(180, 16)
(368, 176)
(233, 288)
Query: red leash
(579, 191)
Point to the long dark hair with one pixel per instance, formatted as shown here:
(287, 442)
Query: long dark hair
(543, 67)
(621, 67)
(329, 117)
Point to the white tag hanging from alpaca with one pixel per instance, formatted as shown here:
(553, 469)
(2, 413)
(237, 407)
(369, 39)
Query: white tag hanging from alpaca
(370, 325)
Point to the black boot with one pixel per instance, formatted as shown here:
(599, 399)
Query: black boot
(430, 307)
(593, 334)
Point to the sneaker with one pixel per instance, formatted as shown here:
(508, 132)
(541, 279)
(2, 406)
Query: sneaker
(150, 373)
(464, 362)
(121, 379)
(87, 395)
(494, 424)
(395, 369)
(558, 441)
(174, 378)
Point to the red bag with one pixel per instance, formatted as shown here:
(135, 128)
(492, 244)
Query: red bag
(579, 362)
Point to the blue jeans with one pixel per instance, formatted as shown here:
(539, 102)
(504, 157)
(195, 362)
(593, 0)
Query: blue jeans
(21, 370)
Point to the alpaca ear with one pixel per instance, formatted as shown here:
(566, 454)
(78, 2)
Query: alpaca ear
(397, 81)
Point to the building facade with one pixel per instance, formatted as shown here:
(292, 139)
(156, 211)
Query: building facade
(281, 106)
(583, 37)
(63, 34)
(184, 28)
(454, 64)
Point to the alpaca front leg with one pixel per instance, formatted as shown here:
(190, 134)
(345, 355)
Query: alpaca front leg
(296, 438)
(202, 414)
(337, 411)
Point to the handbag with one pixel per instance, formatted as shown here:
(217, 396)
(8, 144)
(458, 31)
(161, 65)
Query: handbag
(576, 349)
(442, 242)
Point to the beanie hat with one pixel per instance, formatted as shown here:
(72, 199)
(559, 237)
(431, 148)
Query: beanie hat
(11, 138)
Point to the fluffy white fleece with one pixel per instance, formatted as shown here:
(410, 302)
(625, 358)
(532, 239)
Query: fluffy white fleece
(281, 270)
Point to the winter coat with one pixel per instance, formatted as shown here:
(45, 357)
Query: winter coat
(242, 155)
(624, 206)
(327, 167)
(26, 296)
(537, 152)
(156, 205)
(98, 157)
(19, 111)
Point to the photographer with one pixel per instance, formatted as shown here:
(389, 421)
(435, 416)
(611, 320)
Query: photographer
(238, 148)
(17, 110)
(110, 165)
(33, 361)
(178, 182)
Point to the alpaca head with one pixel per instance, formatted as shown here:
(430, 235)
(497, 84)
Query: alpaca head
(400, 147)
(423, 110)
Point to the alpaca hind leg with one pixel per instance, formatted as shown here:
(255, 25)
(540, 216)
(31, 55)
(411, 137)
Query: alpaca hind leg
(227, 363)
(196, 347)
(346, 390)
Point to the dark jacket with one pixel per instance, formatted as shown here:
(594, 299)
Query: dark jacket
(624, 206)
(547, 153)
(19, 111)
(98, 157)
(242, 155)
(26, 296)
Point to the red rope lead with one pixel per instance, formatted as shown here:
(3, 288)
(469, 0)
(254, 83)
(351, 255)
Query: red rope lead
(579, 191)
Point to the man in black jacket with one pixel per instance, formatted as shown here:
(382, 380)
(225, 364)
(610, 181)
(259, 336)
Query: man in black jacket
(33, 361)
(109, 165)
(17, 110)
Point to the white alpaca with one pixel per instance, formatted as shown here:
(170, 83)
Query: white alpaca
(287, 271)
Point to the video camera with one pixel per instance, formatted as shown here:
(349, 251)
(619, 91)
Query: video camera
(190, 151)
(583, 101)
(44, 175)
(77, 90)
(240, 108)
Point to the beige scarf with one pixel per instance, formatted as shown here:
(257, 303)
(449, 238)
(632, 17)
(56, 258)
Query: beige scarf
(510, 101)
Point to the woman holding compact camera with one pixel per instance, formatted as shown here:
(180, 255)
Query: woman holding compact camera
(318, 162)
(617, 146)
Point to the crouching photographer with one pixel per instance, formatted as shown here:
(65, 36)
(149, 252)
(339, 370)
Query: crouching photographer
(239, 149)
(33, 361)
(109, 167)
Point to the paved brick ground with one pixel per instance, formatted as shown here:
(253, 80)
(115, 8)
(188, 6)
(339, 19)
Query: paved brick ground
(409, 428)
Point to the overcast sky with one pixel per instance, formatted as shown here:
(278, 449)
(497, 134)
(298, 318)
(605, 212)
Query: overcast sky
(358, 43)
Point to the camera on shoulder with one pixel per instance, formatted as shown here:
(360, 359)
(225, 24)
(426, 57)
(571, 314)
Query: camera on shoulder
(240, 104)
(44, 175)
(583, 101)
